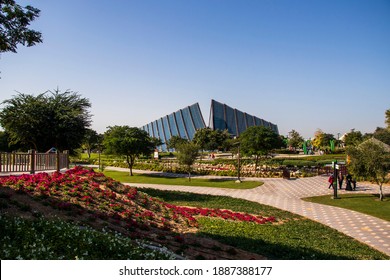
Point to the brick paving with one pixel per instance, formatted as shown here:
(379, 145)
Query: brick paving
(288, 194)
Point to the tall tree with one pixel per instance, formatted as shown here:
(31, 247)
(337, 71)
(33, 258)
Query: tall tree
(382, 134)
(187, 154)
(130, 142)
(50, 119)
(371, 161)
(210, 140)
(14, 22)
(387, 120)
(90, 141)
(295, 140)
(258, 141)
(322, 140)
(175, 141)
(353, 138)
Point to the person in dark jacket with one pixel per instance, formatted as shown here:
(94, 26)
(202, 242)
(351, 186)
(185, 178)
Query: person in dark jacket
(348, 186)
(341, 179)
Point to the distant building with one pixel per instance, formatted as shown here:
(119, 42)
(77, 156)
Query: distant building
(236, 122)
(185, 122)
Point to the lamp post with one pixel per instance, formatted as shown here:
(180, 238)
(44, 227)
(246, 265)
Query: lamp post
(335, 178)
(238, 161)
(99, 145)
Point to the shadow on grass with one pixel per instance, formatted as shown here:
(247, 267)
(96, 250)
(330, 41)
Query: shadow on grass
(276, 251)
(169, 196)
(220, 180)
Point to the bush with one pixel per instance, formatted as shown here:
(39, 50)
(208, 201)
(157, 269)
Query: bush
(298, 163)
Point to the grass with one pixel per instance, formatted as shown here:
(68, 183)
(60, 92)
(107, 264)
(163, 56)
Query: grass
(124, 177)
(364, 203)
(295, 237)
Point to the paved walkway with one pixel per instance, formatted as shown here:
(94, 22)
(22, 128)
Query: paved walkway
(288, 194)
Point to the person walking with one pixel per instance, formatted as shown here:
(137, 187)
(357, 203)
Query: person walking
(330, 180)
(348, 186)
(341, 179)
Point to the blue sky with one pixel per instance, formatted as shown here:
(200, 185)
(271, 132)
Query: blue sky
(303, 65)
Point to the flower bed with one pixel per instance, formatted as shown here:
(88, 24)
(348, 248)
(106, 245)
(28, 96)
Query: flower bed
(94, 191)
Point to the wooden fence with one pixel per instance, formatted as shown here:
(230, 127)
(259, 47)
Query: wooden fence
(33, 161)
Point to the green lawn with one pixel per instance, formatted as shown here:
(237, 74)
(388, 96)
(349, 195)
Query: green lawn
(124, 177)
(293, 238)
(364, 203)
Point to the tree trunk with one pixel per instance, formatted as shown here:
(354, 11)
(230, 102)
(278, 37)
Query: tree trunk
(189, 175)
(256, 163)
(380, 192)
(130, 164)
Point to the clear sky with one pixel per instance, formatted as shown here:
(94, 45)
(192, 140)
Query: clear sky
(302, 65)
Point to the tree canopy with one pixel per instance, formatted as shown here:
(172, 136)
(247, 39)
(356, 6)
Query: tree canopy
(91, 141)
(382, 134)
(353, 138)
(175, 141)
(14, 22)
(50, 119)
(210, 140)
(130, 142)
(258, 141)
(370, 160)
(322, 140)
(295, 140)
(187, 154)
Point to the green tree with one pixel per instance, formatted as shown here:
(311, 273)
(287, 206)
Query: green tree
(14, 22)
(370, 160)
(175, 141)
(353, 138)
(90, 141)
(130, 142)
(5, 145)
(210, 140)
(322, 140)
(295, 140)
(387, 120)
(203, 138)
(221, 138)
(258, 141)
(51, 119)
(382, 134)
(187, 154)
(156, 141)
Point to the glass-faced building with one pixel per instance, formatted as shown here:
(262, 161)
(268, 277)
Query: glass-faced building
(236, 122)
(183, 123)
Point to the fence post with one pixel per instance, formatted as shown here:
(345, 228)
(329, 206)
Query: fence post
(14, 166)
(58, 168)
(32, 161)
(66, 152)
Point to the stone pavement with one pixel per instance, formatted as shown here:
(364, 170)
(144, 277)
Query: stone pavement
(288, 194)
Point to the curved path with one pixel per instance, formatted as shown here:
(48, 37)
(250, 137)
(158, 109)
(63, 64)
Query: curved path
(288, 194)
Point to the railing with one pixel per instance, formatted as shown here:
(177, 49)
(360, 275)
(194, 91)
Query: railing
(33, 161)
